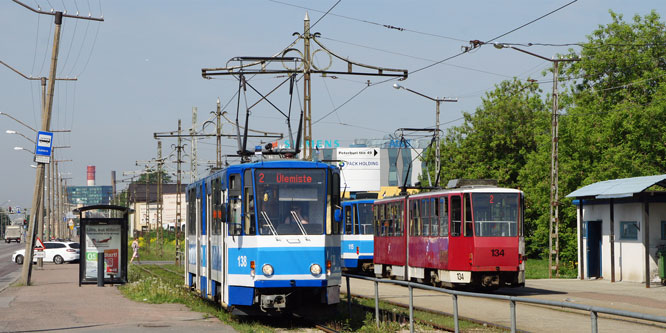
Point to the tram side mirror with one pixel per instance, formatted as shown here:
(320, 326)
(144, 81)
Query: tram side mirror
(338, 215)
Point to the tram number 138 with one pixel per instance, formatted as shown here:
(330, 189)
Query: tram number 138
(242, 261)
(497, 252)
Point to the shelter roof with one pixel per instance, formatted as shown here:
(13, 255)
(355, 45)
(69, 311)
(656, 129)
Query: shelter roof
(618, 188)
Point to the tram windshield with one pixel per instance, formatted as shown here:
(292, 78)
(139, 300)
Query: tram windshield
(496, 214)
(290, 201)
(365, 219)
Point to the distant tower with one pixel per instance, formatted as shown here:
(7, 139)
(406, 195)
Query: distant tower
(91, 175)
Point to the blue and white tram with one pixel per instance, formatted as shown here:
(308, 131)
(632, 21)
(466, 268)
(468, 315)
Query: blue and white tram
(357, 244)
(264, 236)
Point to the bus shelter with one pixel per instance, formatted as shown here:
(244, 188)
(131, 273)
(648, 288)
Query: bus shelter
(103, 244)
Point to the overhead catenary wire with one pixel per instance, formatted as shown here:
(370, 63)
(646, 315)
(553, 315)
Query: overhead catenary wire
(388, 26)
(447, 58)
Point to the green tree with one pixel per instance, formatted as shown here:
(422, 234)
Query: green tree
(494, 141)
(615, 125)
(498, 141)
(152, 177)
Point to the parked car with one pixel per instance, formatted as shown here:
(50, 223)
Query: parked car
(56, 252)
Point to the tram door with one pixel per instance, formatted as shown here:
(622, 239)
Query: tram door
(460, 240)
(202, 247)
(208, 260)
(198, 237)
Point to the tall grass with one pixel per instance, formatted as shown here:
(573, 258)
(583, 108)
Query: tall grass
(538, 269)
(151, 248)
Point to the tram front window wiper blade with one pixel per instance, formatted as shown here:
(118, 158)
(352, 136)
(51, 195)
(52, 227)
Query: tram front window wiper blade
(298, 221)
(269, 223)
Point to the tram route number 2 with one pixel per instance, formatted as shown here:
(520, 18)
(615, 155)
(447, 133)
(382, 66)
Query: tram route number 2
(497, 252)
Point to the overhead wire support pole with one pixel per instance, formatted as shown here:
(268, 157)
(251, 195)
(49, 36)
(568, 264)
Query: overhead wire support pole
(554, 220)
(437, 101)
(301, 65)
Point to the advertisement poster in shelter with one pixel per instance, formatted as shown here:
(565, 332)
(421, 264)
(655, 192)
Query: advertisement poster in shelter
(106, 239)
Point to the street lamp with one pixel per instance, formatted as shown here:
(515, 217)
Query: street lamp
(21, 134)
(21, 148)
(437, 101)
(554, 165)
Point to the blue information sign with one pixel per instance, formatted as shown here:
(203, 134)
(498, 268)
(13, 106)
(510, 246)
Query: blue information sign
(43, 147)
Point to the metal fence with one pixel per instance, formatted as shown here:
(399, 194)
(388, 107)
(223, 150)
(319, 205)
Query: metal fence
(593, 310)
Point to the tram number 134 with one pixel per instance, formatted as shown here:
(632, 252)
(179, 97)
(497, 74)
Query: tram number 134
(497, 252)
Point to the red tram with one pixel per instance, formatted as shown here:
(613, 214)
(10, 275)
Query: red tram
(468, 235)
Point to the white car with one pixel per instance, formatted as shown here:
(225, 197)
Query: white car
(56, 252)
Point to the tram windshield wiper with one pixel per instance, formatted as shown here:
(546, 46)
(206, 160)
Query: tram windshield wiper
(269, 223)
(298, 220)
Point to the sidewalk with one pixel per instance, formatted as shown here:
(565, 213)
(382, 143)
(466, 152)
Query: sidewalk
(55, 302)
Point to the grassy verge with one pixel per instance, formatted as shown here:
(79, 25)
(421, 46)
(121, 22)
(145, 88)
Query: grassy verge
(166, 287)
(538, 269)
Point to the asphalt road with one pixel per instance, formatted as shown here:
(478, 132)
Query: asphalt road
(8, 270)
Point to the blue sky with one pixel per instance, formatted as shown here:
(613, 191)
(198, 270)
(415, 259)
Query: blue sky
(139, 71)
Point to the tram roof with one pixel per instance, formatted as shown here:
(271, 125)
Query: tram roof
(482, 189)
(618, 188)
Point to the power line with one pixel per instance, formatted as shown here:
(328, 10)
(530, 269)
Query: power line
(388, 26)
(413, 57)
(530, 22)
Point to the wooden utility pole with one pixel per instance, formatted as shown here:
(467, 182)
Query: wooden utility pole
(46, 124)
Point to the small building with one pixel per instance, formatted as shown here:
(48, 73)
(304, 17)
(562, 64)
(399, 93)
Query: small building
(621, 225)
(143, 200)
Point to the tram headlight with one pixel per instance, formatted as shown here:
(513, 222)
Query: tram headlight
(315, 269)
(267, 269)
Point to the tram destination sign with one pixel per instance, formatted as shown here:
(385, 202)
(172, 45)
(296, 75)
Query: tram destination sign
(289, 176)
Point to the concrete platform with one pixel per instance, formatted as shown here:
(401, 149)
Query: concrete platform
(55, 302)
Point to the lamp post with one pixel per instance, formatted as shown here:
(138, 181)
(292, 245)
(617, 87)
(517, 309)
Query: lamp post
(554, 163)
(21, 148)
(437, 101)
(18, 133)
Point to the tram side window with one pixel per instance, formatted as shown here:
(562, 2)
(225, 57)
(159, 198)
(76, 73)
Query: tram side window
(468, 216)
(234, 205)
(425, 217)
(397, 219)
(348, 220)
(249, 221)
(456, 215)
(375, 219)
(383, 220)
(191, 213)
(443, 216)
(355, 219)
(217, 208)
(334, 197)
(415, 220)
(434, 217)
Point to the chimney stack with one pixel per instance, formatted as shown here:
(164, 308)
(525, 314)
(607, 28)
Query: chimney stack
(91, 175)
